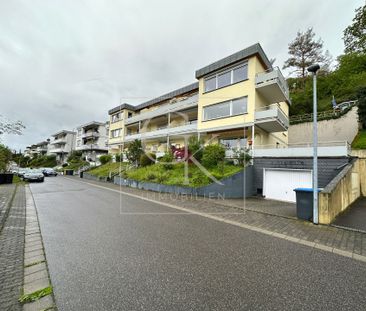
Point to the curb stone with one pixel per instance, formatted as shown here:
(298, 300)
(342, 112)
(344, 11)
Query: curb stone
(36, 275)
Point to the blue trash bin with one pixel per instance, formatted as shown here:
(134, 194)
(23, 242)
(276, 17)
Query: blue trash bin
(304, 203)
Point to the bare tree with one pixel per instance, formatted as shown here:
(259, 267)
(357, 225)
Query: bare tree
(10, 127)
(304, 50)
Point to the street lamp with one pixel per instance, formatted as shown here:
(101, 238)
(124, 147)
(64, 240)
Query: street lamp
(313, 69)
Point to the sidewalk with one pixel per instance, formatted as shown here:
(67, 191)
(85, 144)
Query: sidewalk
(11, 247)
(337, 240)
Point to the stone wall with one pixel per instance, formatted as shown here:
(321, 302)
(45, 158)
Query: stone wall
(342, 191)
(344, 128)
(239, 185)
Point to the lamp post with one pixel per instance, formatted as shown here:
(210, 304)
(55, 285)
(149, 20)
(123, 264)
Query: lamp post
(313, 69)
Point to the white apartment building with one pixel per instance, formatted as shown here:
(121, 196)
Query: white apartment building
(62, 144)
(92, 140)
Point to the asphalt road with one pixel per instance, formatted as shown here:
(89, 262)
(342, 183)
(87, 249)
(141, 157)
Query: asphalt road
(112, 252)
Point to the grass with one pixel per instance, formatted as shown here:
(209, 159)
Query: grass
(75, 165)
(360, 140)
(36, 295)
(104, 170)
(176, 175)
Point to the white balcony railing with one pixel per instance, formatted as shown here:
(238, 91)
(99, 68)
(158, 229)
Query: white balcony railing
(91, 147)
(163, 110)
(189, 127)
(59, 141)
(90, 135)
(273, 85)
(325, 149)
(271, 118)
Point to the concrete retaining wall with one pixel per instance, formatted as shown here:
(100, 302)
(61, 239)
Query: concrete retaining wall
(342, 191)
(328, 168)
(239, 185)
(344, 128)
(93, 177)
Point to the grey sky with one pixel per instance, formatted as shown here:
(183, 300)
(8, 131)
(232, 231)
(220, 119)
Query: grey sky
(64, 63)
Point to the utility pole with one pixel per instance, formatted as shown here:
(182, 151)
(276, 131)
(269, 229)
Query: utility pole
(313, 69)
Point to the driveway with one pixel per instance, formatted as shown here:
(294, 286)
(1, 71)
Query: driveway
(110, 251)
(354, 217)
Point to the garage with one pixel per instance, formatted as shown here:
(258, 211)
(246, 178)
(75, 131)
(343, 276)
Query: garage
(279, 184)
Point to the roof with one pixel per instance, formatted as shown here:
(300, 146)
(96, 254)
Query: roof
(254, 49)
(92, 123)
(63, 132)
(172, 94)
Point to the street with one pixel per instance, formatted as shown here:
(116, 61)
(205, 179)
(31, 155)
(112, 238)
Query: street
(107, 251)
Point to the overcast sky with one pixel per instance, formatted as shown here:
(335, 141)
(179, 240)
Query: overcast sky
(64, 63)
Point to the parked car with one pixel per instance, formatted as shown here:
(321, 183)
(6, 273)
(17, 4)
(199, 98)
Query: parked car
(22, 171)
(33, 175)
(49, 172)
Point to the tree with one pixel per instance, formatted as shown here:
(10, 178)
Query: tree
(134, 152)
(361, 97)
(354, 36)
(10, 127)
(5, 157)
(305, 51)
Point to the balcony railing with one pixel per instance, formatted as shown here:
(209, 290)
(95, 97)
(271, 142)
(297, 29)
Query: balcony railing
(189, 127)
(325, 149)
(90, 135)
(273, 85)
(163, 110)
(59, 141)
(271, 118)
(91, 147)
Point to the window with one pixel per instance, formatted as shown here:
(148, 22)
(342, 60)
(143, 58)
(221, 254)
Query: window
(230, 108)
(224, 79)
(115, 133)
(234, 75)
(216, 111)
(210, 84)
(116, 117)
(129, 115)
(240, 73)
(239, 106)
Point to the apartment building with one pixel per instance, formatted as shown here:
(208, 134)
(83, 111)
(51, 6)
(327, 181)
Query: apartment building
(240, 101)
(62, 144)
(92, 140)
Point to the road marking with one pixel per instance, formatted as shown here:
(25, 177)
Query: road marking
(174, 213)
(238, 224)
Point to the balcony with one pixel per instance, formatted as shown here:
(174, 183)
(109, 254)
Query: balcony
(59, 150)
(60, 141)
(92, 147)
(271, 119)
(272, 85)
(90, 135)
(163, 110)
(188, 128)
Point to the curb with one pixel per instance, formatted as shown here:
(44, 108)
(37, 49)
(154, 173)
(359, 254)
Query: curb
(37, 288)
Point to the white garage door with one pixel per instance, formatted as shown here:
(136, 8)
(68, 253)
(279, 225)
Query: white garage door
(279, 184)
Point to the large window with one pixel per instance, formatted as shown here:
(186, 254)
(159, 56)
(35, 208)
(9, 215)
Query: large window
(225, 109)
(228, 77)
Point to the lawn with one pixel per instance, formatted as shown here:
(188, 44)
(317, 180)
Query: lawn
(175, 175)
(106, 169)
(360, 140)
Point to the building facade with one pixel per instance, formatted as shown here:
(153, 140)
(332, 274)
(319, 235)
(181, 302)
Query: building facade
(62, 143)
(92, 140)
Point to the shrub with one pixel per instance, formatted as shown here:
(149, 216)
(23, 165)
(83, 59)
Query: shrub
(75, 155)
(150, 176)
(195, 147)
(119, 157)
(242, 156)
(106, 158)
(212, 155)
(147, 159)
(166, 160)
(65, 164)
(5, 157)
(134, 152)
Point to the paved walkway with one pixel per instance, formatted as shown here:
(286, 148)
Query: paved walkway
(12, 247)
(344, 242)
(354, 217)
(6, 194)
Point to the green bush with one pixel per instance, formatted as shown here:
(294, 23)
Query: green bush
(167, 160)
(105, 158)
(119, 157)
(195, 148)
(134, 152)
(147, 159)
(75, 155)
(43, 161)
(212, 155)
(5, 157)
(150, 176)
